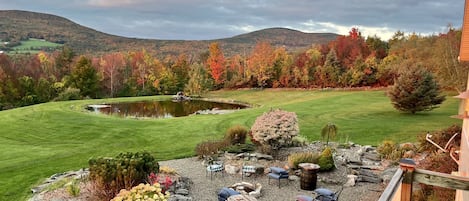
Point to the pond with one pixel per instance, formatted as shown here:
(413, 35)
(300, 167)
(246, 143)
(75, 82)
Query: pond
(165, 109)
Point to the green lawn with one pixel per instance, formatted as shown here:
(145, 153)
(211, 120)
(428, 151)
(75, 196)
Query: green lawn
(41, 140)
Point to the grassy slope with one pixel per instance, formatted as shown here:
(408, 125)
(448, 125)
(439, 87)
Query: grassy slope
(33, 45)
(41, 140)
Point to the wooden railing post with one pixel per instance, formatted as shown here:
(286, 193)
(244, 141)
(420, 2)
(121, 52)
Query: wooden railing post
(408, 166)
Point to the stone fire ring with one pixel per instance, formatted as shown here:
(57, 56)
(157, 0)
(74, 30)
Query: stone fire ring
(246, 188)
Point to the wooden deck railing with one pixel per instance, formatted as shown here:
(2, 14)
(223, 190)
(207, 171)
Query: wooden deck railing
(400, 186)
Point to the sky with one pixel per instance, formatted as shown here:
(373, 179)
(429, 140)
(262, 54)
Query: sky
(215, 19)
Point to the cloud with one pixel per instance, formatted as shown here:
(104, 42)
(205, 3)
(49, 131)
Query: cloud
(114, 3)
(209, 19)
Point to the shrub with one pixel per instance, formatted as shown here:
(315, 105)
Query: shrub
(109, 175)
(68, 94)
(275, 128)
(239, 148)
(438, 162)
(326, 161)
(236, 134)
(209, 148)
(304, 157)
(387, 150)
(74, 188)
(144, 192)
(440, 138)
(165, 181)
(299, 141)
(167, 170)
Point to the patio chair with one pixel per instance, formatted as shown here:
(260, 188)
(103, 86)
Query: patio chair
(214, 168)
(320, 194)
(278, 174)
(247, 170)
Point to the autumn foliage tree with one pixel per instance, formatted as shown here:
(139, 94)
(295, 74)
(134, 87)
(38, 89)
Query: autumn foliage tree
(216, 63)
(260, 63)
(111, 65)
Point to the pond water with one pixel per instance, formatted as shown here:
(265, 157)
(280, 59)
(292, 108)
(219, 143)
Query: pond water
(165, 109)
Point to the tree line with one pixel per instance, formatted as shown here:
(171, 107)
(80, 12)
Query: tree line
(348, 61)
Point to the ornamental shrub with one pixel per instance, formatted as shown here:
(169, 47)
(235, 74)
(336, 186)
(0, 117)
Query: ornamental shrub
(109, 175)
(209, 148)
(302, 157)
(326, 161)
(275, 128)
(387, 149)
(144, 192)
(299, 141)
(239, 148)
(236, 135)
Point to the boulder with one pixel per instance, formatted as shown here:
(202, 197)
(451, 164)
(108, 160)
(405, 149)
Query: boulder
(260, 156)
(351, 179)
(231, 169)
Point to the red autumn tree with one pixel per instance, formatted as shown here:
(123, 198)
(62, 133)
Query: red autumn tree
(216, 63)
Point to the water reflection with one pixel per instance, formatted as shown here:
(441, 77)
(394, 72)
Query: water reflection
(165, 109)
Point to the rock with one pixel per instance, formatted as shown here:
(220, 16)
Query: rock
(241, 198)
(365, 178)
(366, 172)
(231, 156)
(351, 179)
(182, 191)
(371, 156)
(353, 157)
(179, 198)
(293, 178)
(260, 170)
(231, 169)
(264, 156)
(257, 192)
(387, 174)
(368, 148)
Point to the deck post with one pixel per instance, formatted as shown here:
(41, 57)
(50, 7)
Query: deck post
(408, 166)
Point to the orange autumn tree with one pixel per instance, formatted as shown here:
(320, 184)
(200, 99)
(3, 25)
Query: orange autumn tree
(111, 65)
(216, 63)
(261, 63)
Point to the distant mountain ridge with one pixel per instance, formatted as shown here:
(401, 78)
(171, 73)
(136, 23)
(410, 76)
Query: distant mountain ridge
(18, 25)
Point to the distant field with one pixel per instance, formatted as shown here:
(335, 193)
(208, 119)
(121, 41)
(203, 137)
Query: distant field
(33, 46)
(40, 140)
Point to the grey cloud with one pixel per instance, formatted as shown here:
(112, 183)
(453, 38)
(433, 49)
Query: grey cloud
(208, 19)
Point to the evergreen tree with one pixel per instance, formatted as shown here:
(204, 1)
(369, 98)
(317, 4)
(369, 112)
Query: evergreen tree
(84, 77)
(415, 90)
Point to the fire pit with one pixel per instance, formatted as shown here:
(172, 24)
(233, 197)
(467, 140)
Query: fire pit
(247, 188)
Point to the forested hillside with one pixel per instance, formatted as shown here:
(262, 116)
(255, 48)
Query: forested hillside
(347, 61)
(21, 25)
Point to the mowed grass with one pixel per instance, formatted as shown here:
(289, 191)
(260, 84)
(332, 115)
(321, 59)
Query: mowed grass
(33, 46)
(40, 140)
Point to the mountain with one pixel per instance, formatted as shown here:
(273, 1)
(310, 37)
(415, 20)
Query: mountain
(20, 25)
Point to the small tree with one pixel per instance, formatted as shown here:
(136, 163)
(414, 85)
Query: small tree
(415, 90)
(329, 131)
